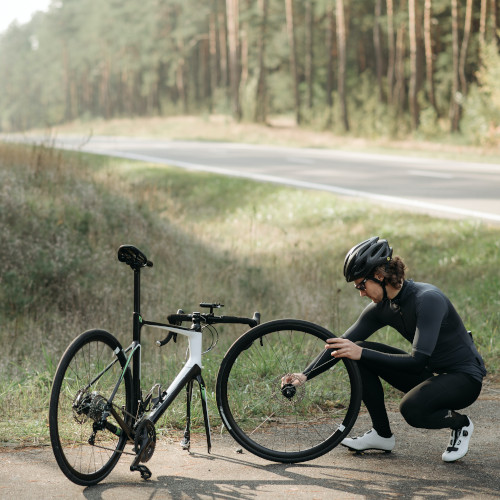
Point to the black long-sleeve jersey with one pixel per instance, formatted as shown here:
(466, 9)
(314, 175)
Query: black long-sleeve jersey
(424, 316)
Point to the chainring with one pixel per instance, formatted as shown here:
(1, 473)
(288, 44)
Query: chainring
(145, 440)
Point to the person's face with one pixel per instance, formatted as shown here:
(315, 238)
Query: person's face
(370, 289)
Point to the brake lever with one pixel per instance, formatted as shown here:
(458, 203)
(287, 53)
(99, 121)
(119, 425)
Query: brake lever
(167, 339)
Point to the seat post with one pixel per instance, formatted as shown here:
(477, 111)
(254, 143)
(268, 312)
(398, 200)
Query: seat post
(137, 304)
(137, 324)
(137, 291)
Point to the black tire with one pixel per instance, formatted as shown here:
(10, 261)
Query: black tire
(260, 418)
(76, 404)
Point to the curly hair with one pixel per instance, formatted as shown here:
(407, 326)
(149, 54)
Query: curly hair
(393, 271)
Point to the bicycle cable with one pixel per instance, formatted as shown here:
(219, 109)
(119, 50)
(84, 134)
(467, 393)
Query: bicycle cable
(215, 337)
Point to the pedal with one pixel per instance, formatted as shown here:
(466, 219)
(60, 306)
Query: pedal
(145, 472)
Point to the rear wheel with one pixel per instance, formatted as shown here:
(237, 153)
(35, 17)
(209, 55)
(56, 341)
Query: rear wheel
(294, 425)
(87, 442)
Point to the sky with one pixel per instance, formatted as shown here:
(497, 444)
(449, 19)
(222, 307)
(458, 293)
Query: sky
(21, 10)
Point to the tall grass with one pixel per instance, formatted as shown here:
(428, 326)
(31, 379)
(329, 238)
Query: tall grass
(252, 246)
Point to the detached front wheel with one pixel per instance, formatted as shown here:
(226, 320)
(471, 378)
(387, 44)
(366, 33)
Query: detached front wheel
(286, 424)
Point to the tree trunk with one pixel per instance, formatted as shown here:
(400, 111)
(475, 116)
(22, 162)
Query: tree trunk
(180, 79)
(244, 49)
(205, 59)
(413, 90)
(212, 41)
(293, 58)
(454, 106)
(377, 44)
(224, 62)
(482, 21)
(399, 65)
(309, 62)
(330, 38)
(391, 52)
(465, 47)
(232, 9)
(260, 98)
(429, 57)
(243, 54)
(493, 19)
(341, 47)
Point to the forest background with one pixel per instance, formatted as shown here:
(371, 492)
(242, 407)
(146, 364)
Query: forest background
(378, 68)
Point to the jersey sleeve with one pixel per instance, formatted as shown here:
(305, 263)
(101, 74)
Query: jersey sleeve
(411, 363)
(366, 324)
(431, 311)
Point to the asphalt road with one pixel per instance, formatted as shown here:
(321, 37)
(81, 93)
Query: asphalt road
(439, 187)
(414, 470)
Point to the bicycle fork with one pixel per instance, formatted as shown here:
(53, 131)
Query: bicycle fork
(186, 441)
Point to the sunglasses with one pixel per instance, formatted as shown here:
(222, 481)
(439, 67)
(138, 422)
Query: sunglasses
(361, 285)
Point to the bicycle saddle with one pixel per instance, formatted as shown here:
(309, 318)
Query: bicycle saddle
(133, 257)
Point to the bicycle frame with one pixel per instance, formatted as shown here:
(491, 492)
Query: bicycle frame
(134, 413)
(190, 372)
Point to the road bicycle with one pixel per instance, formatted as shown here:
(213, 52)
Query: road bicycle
(98, 406)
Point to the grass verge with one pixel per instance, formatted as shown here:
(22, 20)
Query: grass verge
(252, 246)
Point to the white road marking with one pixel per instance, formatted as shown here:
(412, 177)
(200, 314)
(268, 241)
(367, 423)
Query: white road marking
(305, 185)
(428, 173)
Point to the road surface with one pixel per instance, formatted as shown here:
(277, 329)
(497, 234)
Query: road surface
(414, 470)
(439, 187)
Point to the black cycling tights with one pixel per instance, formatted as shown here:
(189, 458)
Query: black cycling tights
(429, 399)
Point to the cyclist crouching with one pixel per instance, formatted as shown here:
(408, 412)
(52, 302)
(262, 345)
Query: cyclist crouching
(444, 371)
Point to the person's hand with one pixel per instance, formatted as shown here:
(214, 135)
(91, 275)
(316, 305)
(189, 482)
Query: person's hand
(344, 348)
(295, 379)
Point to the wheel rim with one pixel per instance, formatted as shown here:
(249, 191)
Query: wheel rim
(79, 406)
(275, 425)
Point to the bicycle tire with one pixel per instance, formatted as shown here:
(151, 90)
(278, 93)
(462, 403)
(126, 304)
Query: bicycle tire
(265, 422)
(75, 405)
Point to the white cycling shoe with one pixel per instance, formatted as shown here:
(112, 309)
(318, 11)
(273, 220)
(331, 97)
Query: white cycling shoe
(370, 441)
(459, 443)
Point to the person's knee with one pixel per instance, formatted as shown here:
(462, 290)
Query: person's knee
(413, 412)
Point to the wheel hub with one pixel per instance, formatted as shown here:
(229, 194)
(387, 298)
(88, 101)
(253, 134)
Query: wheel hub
(91, 405)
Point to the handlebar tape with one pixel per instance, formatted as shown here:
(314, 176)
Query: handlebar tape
(234, 319)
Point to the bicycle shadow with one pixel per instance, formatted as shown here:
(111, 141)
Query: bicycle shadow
(311, 480)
